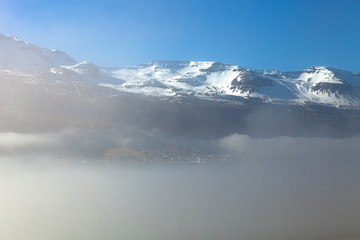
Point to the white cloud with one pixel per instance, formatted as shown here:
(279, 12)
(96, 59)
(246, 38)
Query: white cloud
(14, 140)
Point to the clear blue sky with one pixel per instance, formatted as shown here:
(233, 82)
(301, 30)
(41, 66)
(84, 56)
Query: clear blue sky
(259, 34)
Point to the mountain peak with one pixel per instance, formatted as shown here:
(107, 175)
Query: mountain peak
(17, 54)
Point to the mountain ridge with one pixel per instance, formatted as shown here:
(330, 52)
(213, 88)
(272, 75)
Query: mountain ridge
(212, 81)
(43, 90)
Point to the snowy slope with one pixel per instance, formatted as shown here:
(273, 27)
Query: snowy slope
(16, 54)
(53, 69)
(217, 80)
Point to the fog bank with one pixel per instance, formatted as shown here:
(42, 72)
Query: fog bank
(146, 145)
(249, 200)
(87, 184)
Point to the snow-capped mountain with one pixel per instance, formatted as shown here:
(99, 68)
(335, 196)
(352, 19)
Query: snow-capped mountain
(178, 79)
(44, 90)
(212, 80)
(16, 54)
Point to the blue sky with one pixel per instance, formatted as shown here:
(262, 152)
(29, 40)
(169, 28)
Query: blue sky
(258, 34)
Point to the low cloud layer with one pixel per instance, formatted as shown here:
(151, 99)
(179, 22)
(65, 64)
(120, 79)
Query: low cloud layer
(292, 148)
(260, 200)
(101, 144)
(278, 188)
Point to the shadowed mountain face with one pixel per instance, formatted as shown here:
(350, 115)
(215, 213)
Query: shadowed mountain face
(35, 110)
(43, 90)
